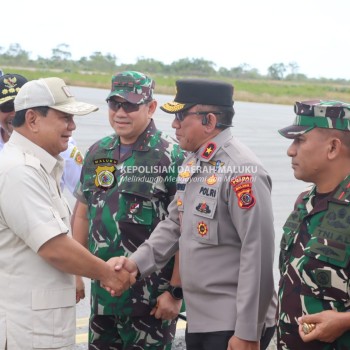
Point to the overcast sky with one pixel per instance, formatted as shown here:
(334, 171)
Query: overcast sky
(312, 33)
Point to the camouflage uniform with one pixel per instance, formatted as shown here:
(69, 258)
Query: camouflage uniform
(315, 246)
(127, 197)
(314, 264)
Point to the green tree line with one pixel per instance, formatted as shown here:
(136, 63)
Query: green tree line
(61, 59)
(282, 84)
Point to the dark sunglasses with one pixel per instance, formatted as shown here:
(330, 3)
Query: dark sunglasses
(127, 106)
(180, 116)
(7, 107)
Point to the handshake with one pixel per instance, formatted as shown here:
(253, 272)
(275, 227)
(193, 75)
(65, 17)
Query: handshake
(120, 274)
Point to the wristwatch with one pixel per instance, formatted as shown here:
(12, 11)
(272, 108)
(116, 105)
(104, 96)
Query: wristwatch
(175, 292)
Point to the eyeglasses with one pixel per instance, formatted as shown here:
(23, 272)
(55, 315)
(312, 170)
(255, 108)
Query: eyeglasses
(7, 107)
(127, 106)
(180, 116)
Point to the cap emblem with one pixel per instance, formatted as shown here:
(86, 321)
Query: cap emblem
(10, 86)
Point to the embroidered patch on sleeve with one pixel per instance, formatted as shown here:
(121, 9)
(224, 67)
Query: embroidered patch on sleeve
(242, 185)
(76, 155)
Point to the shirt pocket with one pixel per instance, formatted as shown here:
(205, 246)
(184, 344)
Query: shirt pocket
(134, 209)
(2, 331)
(290, 229)
(53, 318)
(286, 245)
(204, 226)
(326, 270)
(135, 205)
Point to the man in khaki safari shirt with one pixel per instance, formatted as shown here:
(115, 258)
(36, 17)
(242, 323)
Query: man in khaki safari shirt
(37, 292)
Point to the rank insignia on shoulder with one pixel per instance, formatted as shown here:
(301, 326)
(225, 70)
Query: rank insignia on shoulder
(242, 185)
(208, 150)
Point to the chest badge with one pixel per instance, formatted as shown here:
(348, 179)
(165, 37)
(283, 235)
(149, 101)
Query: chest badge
(203, 208)
(134, 208)
(105, 176)
(185, 174)
(217, 163)
(211, 180)
(202, 228)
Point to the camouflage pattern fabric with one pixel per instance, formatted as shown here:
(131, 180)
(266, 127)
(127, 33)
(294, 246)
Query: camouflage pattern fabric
(323, 114)
(314, 265)
(132, 333)
(126, 199)
(318, 114)
(135, 87)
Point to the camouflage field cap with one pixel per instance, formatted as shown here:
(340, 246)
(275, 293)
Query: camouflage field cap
(318, 114)
(191, 92)
(135, 87)
(10, 84)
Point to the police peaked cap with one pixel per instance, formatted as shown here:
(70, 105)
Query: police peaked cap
(191, 92)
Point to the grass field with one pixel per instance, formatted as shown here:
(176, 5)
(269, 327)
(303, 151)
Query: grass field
(263, 91)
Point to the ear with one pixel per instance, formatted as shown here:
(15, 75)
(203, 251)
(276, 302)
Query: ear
(334, 148)
(211, 122)
(32, 120)
(151, 108)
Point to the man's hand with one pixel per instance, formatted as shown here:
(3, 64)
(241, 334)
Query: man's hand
(122, 262)
(167, 307)
(117, 281)
(79, 289)
(330, 325)
(236, 343)
(127, 270)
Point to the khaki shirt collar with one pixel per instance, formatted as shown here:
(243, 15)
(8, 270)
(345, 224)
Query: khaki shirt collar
(47, 161)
